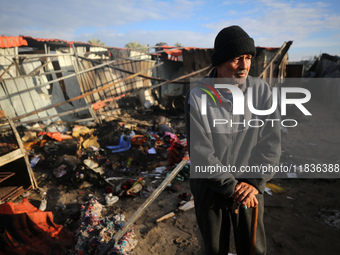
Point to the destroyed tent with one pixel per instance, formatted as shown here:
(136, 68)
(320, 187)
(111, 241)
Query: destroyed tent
(45, 79)
(71, 66)
(52, 79)
(326, 66)
(322, 81)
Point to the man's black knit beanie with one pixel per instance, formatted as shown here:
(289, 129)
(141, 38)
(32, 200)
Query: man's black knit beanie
(231, 42)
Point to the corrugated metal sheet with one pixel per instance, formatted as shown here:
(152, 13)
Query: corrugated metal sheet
(12, 41)
(25, 102)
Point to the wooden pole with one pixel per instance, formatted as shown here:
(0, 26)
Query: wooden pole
(23, 151)
(253, 229)
(142, 208)
(17, 66)
(7, 69)
(274, 58)
(85, 94)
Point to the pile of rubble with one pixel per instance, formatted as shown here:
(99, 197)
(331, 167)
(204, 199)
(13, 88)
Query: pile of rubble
(110, 161)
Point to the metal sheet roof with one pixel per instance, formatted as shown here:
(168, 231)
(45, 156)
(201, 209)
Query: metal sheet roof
(53, 43)
(12, 41)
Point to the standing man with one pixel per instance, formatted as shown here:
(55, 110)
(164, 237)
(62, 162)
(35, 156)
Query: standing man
(228, 145)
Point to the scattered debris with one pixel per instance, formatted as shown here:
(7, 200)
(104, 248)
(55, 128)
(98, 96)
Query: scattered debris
(95, 230)
(184, 206)
(275, 188)
(330, 217)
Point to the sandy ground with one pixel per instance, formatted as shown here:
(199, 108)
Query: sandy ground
(294, 220)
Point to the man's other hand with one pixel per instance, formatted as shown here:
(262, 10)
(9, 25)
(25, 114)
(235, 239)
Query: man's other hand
(245, 194)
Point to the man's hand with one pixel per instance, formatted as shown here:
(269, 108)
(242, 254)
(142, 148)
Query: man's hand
(245, 194)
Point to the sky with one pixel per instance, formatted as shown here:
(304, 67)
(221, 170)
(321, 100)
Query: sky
(313, 26)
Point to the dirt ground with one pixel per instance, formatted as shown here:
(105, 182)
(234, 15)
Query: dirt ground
(295, 220)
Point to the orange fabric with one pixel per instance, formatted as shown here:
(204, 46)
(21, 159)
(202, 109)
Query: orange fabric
(174, 53)
(29, 230)
(53, 135)
(15, 208)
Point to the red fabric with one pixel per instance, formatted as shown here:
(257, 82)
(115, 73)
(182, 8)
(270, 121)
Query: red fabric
(28, 230)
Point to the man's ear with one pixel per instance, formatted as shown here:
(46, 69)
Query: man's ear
(218, 70)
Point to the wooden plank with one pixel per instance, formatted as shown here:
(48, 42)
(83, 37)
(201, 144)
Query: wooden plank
(11, 192)
(17, 66)
(108, 76)
(7, 69)
(88, 80)
(274, 58)
(101, 95)
(11, 156)
(23, 151)
(5, 175)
